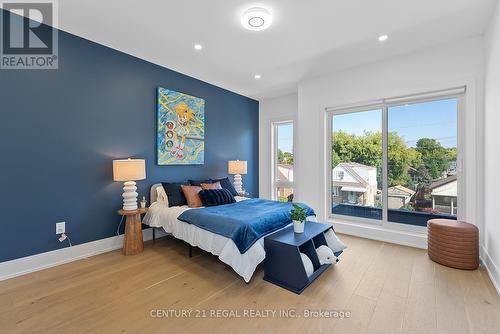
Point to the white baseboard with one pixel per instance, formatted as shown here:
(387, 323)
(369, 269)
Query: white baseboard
(418, 240)
(29, 264)
(491, 268)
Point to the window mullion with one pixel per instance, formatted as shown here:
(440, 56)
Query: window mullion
(385, 145)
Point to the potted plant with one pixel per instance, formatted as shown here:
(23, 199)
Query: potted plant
(298, 215)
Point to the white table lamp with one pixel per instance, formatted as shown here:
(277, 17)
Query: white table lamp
(129, 171)
(236, 168)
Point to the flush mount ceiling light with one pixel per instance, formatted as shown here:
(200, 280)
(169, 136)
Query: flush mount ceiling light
(256, 19)
(198, 47)
(382, 38)
(257, 76)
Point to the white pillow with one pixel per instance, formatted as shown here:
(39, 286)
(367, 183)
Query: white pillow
(308, 265)
(334, 242)
(161, 195)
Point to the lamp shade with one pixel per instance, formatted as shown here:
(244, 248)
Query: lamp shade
(237, 167)
(129, 169)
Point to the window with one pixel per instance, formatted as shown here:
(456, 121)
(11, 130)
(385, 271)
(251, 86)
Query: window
(356, 158)
(283, 161)
(422, 156)
(398, 160)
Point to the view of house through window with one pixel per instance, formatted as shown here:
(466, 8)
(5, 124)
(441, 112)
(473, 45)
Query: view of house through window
(421, 166)
(422, 159)
(357, 164)
(283, 161)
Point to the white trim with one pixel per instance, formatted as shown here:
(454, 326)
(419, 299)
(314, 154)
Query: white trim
(355, 107)
(457, 93)
(427, 96)
(274, 155)
(491, 268)
(368, 105)
(29, 264)
(377, 232)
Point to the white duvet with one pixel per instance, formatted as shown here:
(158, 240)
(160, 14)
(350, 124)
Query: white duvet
(160, 215)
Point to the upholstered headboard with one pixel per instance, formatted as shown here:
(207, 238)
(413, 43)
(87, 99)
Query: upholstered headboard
(152, 192)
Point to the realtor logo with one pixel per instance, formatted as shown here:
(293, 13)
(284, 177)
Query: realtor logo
(28, 39)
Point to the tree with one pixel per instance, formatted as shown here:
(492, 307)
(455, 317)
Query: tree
(288, 158)
(424, 179)
(285, 158)
(429, 158)
(423, 182)
(399, 160)
(435, 157)
(367, 150)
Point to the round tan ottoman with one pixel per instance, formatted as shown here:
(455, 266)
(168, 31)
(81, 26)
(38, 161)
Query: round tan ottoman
(453, 243)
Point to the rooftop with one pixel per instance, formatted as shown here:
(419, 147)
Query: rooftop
(440, 182)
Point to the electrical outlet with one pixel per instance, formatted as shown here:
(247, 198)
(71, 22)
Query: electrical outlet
(60, 227)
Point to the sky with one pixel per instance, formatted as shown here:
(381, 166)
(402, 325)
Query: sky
(435, 119)
(285, 137)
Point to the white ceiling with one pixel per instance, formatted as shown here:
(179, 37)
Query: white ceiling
(308, 37)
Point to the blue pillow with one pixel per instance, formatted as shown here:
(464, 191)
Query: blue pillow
(199, 182)
(226, 184)
(214, 197)
(174, 193)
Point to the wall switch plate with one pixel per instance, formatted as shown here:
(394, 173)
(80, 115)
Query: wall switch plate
(60, 227)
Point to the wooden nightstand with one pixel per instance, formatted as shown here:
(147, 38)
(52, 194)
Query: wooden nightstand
(133, 243)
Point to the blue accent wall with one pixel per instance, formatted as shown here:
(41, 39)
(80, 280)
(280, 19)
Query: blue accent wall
(61, 129)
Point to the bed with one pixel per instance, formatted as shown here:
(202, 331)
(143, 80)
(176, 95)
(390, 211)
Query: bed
(244, 264)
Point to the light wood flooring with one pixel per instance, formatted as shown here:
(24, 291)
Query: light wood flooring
(386, 288)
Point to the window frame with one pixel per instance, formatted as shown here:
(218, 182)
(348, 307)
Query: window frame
(274, 157)
(458, 93)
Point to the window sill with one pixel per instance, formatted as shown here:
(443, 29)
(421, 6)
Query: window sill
(413, 236)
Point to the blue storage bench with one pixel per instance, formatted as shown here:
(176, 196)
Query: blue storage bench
(283, 265)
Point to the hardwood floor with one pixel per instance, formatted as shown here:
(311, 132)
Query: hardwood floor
(386, 288)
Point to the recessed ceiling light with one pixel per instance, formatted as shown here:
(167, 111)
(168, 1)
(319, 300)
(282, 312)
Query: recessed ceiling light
(382, 38)
(256, 19)
(198, 47)
(257, 76)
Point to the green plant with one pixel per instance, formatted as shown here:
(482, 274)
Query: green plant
(298, 213)
(407, 207)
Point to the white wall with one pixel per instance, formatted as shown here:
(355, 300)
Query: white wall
(473, 62)
(491, 248)
(447, 66)
(272, 110)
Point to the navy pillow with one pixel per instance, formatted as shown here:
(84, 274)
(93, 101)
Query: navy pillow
(226, 184)
(199, 182)
(174, 193)
(213, 197)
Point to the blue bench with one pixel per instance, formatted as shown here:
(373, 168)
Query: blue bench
(283, 265)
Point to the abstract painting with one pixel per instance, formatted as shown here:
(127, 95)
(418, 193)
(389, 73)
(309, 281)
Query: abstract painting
(181, 128)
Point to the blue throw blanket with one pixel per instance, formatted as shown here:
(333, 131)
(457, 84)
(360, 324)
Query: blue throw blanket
(244, 222)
